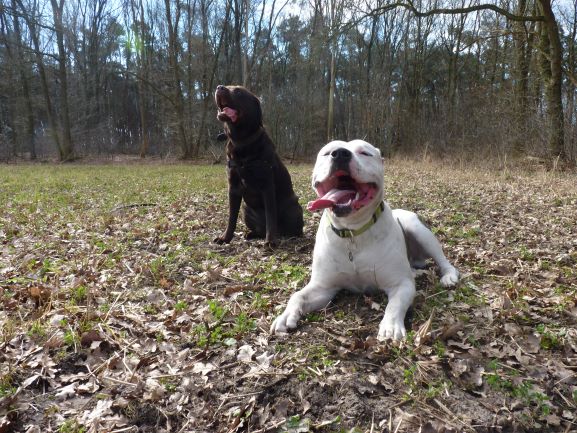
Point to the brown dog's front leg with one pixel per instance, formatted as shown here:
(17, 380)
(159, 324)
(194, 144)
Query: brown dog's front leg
(234, 200)
(270, 210)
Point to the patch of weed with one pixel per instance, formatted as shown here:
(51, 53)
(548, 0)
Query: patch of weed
(525, 254)
(71, 338)
(37, 330)
(314, 317)
(71, 426)
(259, 302)
(468, 294)
(217, 310)
(319, 355)
(217, 331)
(7, 386)
(180, 306)
(439, 348)
(521, 389)
(550, 340)
(79, 295)
(243, 324)
(279, 274)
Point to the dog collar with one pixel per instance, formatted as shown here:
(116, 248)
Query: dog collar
(250, 139)
(348, 233)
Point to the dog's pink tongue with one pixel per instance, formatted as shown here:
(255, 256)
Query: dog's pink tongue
(330, 199)
(231, 113)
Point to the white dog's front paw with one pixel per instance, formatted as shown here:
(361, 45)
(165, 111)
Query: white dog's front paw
(391, 329)
(286, 321)
(450, 277)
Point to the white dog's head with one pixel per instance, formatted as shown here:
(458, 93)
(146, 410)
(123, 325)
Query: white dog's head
(348, 179)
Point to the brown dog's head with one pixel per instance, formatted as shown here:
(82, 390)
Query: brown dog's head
(239, 110)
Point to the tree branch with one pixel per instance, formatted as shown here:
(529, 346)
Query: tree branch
(452, 11)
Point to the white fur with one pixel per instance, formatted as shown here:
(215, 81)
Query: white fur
(380, 259)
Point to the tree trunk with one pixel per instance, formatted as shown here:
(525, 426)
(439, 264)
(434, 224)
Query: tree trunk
(208, 76)
(553, 77)
(66, 148)
(187, 151)
(29, 134)
(52, 121)
(142, 67)
(521, 83)
(331, 105)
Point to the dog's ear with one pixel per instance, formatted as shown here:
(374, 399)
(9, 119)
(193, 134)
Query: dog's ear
(221, 137)
(259, 109)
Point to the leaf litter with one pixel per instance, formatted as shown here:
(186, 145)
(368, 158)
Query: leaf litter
(119, 314)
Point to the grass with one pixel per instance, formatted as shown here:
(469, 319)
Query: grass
(124, 253)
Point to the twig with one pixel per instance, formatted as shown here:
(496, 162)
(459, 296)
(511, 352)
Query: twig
(271, 427)
(130, 206)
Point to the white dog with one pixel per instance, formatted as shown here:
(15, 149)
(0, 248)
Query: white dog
(362, 244)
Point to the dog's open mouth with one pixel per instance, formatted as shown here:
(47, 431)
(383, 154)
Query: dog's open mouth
(225, 112)
(342, 194)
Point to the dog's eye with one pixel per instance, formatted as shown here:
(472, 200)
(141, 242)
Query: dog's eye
(365, 153)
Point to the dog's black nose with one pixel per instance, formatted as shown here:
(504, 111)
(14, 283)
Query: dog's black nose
(341, 154)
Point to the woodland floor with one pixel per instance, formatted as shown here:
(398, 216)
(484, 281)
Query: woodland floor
(118, 313)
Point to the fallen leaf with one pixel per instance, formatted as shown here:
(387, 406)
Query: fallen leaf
(245, 353)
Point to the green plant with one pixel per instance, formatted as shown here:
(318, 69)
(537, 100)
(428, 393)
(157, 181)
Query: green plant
(169, 385)
(435, 389)
(79, 294)
(545, 265)
(48, 267)
(259, 302)
(37, 330)
(279, 274)
(439, 348)
(295, 424)
(318, 355)
(243, 324)
(71, 338)
(521, 389)
(180, 306)
(550, 340)
(468, 293)
(207, 333)
(409, 375)
(7, 386)
(340, 315)
(217, 310)
(71, 426)
(150, 309)
(314, 317)
(526, 254)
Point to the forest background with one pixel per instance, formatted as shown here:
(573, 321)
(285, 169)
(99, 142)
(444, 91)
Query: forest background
(461, 77)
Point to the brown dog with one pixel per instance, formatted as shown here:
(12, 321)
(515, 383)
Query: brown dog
(255, 172)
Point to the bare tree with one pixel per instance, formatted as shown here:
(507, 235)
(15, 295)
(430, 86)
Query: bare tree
(66, 148)
(172, 23)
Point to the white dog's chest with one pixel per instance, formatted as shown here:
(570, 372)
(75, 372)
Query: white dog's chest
(362, 263)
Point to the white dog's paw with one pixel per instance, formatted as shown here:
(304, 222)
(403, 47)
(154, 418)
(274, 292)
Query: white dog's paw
(391, 330)
(283, 323)
(450, 277)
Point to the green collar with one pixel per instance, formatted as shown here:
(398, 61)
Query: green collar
(347, 233)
